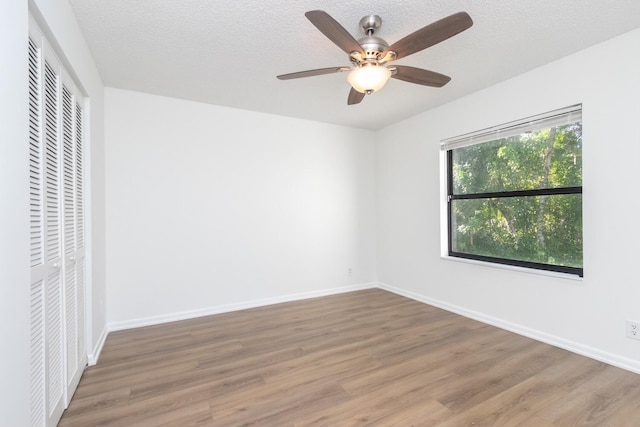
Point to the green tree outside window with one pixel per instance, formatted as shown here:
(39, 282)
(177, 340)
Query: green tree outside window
(518, 200)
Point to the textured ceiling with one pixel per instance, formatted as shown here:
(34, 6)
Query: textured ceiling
(228, 52)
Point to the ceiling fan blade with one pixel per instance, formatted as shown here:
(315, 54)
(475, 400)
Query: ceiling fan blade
(311, 73)
(430, 35)
(419, 76)
(334, 31)
(355, 97)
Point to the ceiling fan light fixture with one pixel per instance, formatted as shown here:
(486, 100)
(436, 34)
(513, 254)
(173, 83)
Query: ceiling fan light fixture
(368, 78)
(369, 55)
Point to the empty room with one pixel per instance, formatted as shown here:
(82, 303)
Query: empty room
(380, 213)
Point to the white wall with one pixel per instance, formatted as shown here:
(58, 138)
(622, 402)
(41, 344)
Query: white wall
(210, 207)
(588, 315)
(14, 188)
(14, 216)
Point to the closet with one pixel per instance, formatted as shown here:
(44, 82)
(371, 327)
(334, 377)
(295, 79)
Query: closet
(57, 232)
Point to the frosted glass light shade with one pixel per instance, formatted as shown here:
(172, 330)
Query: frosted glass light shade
(369, 78)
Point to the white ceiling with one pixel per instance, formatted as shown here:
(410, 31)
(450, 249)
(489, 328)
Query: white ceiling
(228, 52)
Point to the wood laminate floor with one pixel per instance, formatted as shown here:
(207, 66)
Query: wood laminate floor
(362, 358)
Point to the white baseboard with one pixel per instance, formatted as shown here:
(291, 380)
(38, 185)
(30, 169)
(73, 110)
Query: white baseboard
(92, 358)
(207, 311)
(584, 350)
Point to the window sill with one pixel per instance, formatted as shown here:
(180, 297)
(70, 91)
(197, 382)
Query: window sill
(514, 268)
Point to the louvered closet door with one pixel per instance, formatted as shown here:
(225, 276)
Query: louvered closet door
(58, 350)
(47, 307)
(39, 406)
(73, 224)
(54, 328)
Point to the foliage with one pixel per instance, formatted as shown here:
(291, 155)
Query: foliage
(538, 228)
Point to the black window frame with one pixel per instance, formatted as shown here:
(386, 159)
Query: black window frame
(579, 271)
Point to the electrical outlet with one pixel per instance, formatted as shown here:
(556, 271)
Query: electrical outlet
(349, 272)
(633, 330)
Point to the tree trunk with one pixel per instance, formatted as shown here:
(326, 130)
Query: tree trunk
(544, 182)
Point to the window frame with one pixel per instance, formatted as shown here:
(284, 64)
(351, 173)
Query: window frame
(451, 144)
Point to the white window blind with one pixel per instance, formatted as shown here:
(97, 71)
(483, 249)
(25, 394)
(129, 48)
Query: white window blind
(564, 116)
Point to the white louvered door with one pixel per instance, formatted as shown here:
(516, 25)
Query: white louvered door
(54, 332)
(73, 241)
(38, 267)
(58, 350)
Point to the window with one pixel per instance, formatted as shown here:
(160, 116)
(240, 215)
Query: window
(514, 193)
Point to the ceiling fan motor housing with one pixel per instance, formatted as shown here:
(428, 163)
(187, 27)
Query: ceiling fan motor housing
(373, 46)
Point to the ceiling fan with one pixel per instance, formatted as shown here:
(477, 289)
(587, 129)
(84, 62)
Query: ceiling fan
(368, 72)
